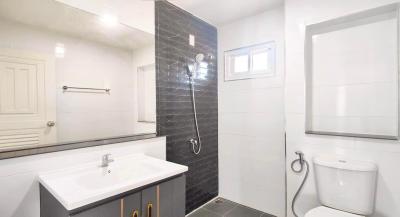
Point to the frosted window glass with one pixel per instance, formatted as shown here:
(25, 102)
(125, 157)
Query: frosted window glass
(241, 63)
(260, 61)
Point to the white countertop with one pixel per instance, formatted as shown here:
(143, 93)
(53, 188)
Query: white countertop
(75, 187)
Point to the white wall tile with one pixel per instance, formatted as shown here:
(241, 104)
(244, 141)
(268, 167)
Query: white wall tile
(251, 120)
(295, 99)
(293, 64)
(252, 101)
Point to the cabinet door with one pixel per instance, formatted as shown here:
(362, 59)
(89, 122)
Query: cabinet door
(149, 202)
(132, 205)
(110, 209)
(172, 197)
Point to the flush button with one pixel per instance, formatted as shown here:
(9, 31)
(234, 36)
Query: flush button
(342, 161)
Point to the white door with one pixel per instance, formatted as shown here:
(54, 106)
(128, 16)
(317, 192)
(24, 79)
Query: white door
(27, 100)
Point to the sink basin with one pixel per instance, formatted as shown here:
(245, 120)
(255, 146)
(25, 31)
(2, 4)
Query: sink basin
(79, 186)
(121, 172)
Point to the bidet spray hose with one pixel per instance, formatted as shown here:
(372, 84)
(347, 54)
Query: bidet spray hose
(302, 162)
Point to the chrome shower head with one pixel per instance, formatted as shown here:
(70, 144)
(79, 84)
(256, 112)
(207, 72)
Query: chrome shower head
(200, 58)
(199, 63)
(191, 68)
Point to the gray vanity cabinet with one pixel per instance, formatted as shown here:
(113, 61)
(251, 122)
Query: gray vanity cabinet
(105, 210)
(132, 205)
(172, 196)
(163, 199)
(150, 200)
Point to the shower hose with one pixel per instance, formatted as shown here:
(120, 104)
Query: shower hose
(196, 152)
(302, 162)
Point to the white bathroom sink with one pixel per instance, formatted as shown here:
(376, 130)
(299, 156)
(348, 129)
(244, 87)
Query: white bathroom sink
(75, 187)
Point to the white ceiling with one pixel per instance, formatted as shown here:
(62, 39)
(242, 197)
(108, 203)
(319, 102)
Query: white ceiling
(219, 12)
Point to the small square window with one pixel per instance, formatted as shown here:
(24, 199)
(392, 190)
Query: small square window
(250, 62)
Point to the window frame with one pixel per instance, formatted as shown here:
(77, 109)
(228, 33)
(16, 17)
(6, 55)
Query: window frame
(250, 51)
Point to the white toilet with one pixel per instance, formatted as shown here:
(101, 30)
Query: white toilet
(346, 188)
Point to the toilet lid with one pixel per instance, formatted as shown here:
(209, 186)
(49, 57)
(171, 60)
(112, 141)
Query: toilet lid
(323, 211)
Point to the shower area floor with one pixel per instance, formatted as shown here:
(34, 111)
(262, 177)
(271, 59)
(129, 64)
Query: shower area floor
(221, 207)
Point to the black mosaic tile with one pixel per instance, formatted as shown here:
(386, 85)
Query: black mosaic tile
(174, 105)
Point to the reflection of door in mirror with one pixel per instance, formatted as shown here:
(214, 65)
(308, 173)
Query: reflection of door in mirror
(27, 100)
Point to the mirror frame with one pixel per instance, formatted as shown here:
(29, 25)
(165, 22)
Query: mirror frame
(332, 25)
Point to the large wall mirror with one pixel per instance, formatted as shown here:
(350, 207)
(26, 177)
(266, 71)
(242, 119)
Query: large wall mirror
(67, 75)
(352, 74)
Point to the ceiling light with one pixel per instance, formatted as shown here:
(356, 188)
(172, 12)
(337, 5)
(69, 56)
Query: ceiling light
(109, 20)
(59, 50)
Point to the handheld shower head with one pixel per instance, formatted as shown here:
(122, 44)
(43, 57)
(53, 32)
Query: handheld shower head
(200, 63)
(191, 68)
(200, 58)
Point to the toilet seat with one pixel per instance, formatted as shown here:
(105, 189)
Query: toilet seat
(323, 211)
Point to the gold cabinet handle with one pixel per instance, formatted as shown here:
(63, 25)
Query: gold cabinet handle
(149, 209)
(135, 213)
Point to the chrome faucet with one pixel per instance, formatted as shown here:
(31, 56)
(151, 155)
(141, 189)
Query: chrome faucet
(106, 160)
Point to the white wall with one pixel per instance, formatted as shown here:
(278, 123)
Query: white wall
(86, 64)
(251, 120)
(386, 154)
(19, 192)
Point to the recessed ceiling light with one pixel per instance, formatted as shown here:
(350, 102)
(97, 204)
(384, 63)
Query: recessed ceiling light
(109, 20)
(59, 50)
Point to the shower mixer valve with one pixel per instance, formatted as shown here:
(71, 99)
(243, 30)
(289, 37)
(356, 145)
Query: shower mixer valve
(193, 141)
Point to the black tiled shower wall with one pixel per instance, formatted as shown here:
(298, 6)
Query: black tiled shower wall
(174, 106)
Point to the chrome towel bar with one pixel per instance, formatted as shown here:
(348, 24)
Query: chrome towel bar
(85, 88)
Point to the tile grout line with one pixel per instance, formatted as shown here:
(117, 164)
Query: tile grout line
(222, 215)
(227, 212)
(202, 206)
(235, 205)
(211, 211)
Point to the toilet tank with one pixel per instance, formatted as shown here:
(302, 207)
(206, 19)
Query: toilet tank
(347, 185)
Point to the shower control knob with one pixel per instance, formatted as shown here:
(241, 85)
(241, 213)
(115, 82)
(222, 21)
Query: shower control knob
(51, 123)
